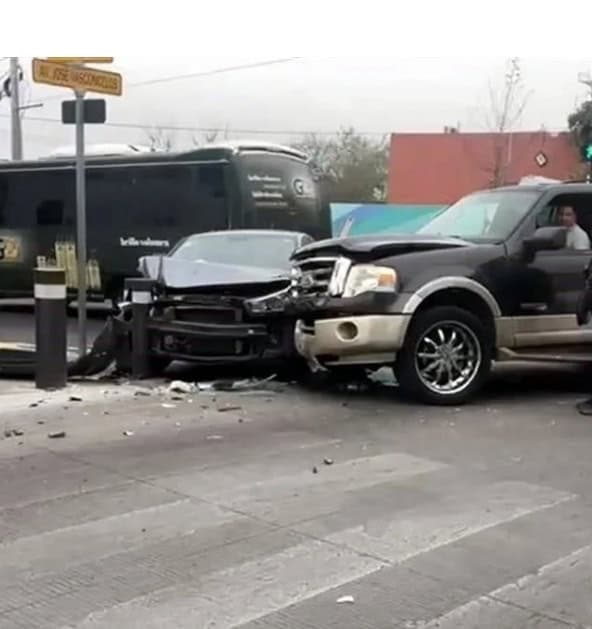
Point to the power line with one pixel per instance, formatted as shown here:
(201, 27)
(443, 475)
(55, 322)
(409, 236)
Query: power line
(194, 75)
(137, 125)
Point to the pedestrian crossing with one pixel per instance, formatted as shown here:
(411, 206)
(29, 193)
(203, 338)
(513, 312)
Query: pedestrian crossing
(268, 545)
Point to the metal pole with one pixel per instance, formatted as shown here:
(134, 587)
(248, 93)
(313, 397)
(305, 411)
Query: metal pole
(81, 223)
(51, 363)
(15, 118)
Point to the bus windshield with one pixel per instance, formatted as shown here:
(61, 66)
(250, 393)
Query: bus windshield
(281, 192)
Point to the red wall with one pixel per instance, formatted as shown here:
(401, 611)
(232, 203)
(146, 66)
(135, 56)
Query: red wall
(439, 168)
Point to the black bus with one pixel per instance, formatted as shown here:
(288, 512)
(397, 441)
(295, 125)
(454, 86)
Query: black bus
(142, 203)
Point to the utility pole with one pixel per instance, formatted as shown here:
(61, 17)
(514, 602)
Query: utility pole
(15, 111)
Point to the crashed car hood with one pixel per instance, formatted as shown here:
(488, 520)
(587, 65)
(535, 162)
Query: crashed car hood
(182, 274)
(391, 244)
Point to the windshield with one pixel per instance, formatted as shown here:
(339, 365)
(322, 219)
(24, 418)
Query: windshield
(483, 215)
(271, 251)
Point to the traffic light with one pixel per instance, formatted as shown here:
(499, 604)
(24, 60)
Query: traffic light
(585, 142)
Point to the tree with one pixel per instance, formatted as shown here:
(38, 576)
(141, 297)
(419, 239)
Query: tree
(209, 137)
(160, 140)
(505, 109)
(352, 167)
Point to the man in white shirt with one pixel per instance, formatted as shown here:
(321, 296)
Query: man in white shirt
(577, 238)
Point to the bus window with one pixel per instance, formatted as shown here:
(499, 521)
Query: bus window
(3, 198)
(42, 198)
(50, 213)
(211, 177)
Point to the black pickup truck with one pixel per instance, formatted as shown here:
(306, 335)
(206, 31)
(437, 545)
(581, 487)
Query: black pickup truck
(489, 279)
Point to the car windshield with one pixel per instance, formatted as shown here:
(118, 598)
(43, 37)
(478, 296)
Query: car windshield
(271, 251)
(483, 215)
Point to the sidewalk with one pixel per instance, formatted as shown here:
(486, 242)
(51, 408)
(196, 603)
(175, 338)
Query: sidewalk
(18, 396)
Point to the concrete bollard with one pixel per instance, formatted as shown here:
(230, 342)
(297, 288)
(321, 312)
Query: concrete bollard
(51, 338)
(141, 294)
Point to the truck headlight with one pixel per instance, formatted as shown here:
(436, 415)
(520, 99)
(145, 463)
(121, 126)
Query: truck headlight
(364, 278)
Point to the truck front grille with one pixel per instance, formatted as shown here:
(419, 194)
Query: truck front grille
(320, 277)
(312, 276)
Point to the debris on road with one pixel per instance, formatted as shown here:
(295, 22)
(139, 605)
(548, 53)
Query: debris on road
(229, 408)
(315, 470)
(180, 386)
(74, 398)
(169, 406)
(142, 393)
(13, 432)
(346, 599)
(249, 384)
(57, 435)
(328, 461)
(128, 433)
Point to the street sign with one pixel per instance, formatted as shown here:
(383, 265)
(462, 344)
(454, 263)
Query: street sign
(95, 111)
(541, 159)
(78, 78)
(71, 72)
(80, 60)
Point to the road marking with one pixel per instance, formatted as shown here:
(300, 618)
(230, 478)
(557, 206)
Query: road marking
(558, 592)
(432, 525)
(232, 597)
(235, 596)
(259, 487)
(108, 536)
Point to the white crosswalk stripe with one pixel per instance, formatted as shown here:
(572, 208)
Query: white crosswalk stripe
(181, 582)
(563, 585)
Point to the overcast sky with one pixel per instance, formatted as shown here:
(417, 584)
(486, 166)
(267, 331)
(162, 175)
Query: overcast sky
(280, 102)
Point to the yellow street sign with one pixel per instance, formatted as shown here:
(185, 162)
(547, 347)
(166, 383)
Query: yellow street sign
(80, 60)
(77, 77)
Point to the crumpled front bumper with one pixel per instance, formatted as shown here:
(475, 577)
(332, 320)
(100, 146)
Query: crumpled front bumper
(212, 343)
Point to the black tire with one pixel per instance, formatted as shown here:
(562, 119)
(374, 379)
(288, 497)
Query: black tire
(474, 332)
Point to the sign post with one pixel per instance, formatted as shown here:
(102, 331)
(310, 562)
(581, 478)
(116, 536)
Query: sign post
(71, 72)
(81, 222)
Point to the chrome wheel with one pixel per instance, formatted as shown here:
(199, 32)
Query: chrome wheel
(448, 357)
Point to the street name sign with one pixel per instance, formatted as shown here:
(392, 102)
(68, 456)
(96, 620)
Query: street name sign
(80, 60)
(78, 78)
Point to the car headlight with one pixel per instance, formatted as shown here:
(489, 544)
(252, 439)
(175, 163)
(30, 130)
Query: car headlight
(364, 278)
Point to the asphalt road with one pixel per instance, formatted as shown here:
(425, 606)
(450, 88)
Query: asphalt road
(263, 510)
(17, 323)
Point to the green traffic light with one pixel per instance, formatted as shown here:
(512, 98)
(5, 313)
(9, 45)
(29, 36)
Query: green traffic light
(588, 152)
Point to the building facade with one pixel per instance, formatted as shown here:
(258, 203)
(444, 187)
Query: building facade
(439, 168)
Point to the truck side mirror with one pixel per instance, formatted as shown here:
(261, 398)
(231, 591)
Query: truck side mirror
(546, 239)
